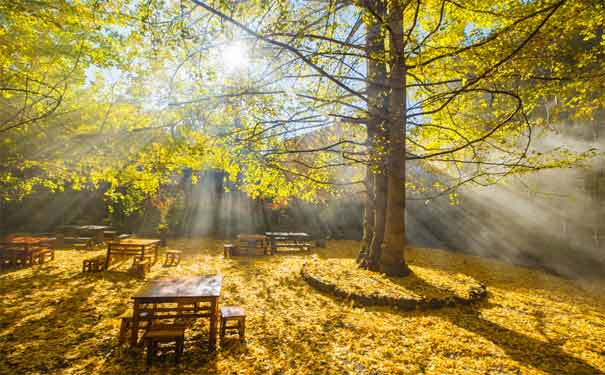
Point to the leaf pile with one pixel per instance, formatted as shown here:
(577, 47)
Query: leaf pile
(423, 284)
(56, 320)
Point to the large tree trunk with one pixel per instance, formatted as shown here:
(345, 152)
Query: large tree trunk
(375, 179)
(392, 260)
(368, 215)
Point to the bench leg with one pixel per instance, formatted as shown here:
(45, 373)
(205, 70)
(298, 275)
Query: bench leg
(179, 350)
(223, 329)
(242, 329)
(150, 351)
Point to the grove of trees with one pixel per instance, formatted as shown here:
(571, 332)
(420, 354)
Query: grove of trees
(304, 99)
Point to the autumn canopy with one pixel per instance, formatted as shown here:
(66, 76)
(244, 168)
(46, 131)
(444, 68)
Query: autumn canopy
(371, 132)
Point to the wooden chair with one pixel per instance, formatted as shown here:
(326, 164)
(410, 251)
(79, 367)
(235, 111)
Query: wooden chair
(236, 314)
(159, 334)
(173, 258)
(95, 264)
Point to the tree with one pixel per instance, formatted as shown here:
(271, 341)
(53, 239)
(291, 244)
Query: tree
(455, 56)
(334, 96)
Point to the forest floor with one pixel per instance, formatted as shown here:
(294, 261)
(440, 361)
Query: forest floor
(55, 319)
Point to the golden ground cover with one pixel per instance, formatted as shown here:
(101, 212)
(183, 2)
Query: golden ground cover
(423, 284)
(54, 319)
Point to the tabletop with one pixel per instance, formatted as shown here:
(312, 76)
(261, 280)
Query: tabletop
(286, 234)
(95, 227)
(135, 241)
(27, 240)
(194, 286)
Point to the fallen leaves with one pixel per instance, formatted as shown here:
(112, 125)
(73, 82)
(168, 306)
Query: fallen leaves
(54, 319)
(424, 287)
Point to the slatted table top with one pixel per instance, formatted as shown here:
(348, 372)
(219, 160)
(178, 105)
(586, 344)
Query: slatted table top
(194, 286)
(27, 240)
(135, 241)
(286, 234)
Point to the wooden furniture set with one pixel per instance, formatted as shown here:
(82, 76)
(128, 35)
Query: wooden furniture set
(21, 251)
(164, 308)
(269, 243)
(144, 254)
(131, 247)
(297, 240)
(86, 236)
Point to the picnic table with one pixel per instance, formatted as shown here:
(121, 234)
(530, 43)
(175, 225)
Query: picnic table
(131, 247)
(298, 240)
(26, 247)
(178, 299)
(96, 232)
(252, 244)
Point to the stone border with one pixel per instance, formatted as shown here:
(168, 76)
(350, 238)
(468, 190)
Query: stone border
(475, 294)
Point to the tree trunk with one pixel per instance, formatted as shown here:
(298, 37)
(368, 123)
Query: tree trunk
(368, 216)
(375, 183)
(392, 260)
(380, 206)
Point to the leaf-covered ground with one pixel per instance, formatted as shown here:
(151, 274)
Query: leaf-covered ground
(54, 319)
(424, 283)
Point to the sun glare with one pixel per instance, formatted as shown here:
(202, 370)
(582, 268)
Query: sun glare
(234, 56)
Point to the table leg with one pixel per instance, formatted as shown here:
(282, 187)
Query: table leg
(107, 257)
(213, 323)
(134, 333)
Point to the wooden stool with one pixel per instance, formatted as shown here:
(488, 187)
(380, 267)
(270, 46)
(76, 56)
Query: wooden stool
(45, 255)
(173, 258)
(126, 327)
(140, 266)
(164, 334)
(94, 264)
(233, 313)
(228, 250)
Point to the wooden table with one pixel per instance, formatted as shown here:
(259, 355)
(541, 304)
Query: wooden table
(96, 232)
(182, 298)
(133, 247)
(32, 246)
(288, 239)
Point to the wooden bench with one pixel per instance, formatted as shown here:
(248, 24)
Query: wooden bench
(44, 255)
(236, 314)
(164, 334)
(141, 266)
(228, 249)
(251, 244)
(126, 327)
(173, 258)
(94, 264)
